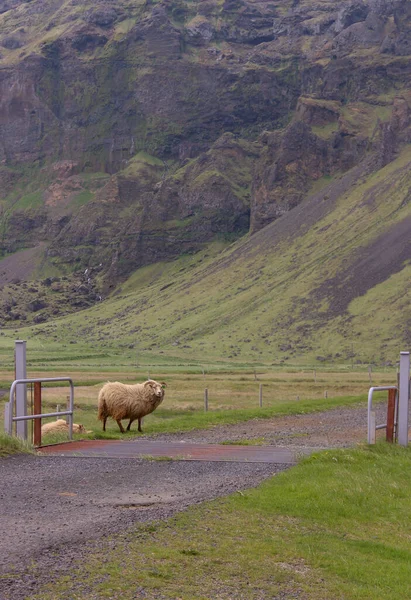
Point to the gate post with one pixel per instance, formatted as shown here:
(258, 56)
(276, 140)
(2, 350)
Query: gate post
(392, 397)
(404, 394)
(37, 411)
(21, 388)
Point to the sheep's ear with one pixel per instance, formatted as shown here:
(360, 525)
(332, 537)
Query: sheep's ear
(163, 384)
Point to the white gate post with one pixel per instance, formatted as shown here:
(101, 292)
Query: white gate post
(404, 395)
(21, 388)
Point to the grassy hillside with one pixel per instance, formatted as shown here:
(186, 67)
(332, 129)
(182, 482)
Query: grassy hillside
(328, 282)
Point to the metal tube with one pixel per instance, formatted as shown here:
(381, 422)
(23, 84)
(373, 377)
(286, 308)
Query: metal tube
(7, 409)
(71, 409)
(21, 390)
(372, 431)
(404, 398)
(371, 391)
(37, 411)
(42, 416)
(43, 379)
(392, 394)
(9, 421)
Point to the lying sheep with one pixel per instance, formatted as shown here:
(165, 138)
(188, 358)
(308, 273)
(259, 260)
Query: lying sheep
(61, 426)
(121, 401)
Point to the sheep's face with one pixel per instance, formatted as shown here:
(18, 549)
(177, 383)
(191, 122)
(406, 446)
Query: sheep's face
(157, 388)
(78, 428)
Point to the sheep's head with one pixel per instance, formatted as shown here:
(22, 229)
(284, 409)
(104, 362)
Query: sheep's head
(156, 387)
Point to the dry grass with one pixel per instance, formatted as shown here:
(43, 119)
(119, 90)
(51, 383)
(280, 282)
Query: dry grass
(228, 391)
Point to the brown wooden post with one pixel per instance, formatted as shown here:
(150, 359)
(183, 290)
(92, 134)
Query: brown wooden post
(37, 411)
(391, 415)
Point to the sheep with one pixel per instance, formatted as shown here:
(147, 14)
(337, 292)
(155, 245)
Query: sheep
(61, 426)
(122, 401)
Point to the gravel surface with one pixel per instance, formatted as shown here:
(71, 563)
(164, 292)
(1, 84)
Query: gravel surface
(51, 505)
(337, 428)
(55, 509)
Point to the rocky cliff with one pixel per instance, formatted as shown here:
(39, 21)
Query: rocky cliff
(131, 132)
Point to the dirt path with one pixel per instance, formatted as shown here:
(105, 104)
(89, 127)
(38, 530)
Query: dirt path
(54, 509)
(337, 428)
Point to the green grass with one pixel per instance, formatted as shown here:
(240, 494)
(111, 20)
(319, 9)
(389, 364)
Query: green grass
(13, 445)
(254, 302)
(33, 200)
(152, 458)
(82, 198)
(259, 441)
(179, 420)
(334, 527)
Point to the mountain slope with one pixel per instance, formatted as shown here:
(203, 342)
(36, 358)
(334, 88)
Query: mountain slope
(143, 137)
(327, 281)
(133, 131)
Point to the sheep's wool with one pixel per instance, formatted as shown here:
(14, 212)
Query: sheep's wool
(61, 426)
(122, 401)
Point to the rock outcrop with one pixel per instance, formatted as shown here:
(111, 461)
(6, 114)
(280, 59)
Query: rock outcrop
(131, 133)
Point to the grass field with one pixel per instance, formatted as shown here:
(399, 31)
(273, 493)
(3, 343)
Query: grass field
(12, 445)
(336, 527)
(232, 396)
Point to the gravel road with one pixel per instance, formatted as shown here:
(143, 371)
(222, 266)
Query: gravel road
(337, 428)
(51, 505)
(55, 509)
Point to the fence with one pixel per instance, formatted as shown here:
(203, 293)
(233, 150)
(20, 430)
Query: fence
(38, 415)
(398, 406)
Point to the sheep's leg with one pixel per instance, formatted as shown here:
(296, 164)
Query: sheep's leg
(104, 423)
(129, 425)
(120, 425)
(139, 425)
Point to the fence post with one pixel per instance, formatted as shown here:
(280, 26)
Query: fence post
(261, 395)
(391, 415)
(371, 430)
(37, 411)
(403, 398)
(21, 389)
(206, 400)
(7, 408)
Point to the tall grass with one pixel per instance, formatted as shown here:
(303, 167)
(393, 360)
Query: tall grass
(13, 445)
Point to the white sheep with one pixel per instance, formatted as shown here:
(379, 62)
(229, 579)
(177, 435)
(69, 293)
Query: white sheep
(61, 426)
(122, 401)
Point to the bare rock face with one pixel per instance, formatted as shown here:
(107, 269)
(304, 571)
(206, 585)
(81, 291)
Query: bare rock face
(139, 132)
(155, 216)
(353, 12)
(291, 160)
(6, 5)
(103, 17)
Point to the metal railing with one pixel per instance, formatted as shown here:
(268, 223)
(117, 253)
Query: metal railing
(372, 427)
(9, 419)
